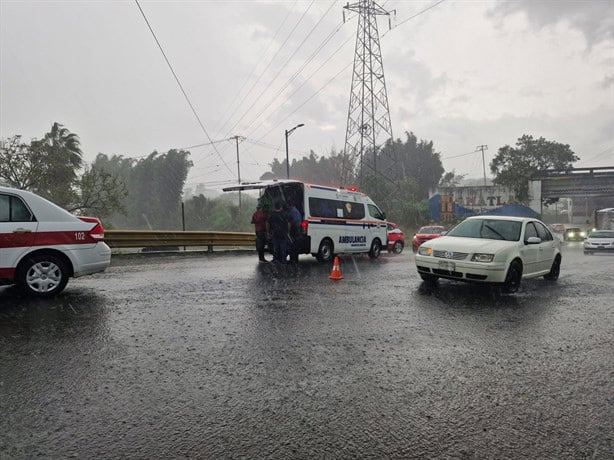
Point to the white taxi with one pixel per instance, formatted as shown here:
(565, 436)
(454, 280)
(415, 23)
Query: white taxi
(42, 245)
(492, 249)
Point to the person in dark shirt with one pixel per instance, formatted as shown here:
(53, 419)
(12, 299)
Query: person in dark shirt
(295, 233)
(278, 227)
(259, 219)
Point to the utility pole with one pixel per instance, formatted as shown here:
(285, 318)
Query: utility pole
(368, 123)
(482, 148)
(237, 138)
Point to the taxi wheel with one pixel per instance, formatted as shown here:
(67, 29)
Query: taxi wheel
(376, 249)
(397, 248)
(325, 252)
(554, 270)
(42, 275)
(513, 278)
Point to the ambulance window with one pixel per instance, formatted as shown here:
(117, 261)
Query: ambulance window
(375, 212)
(324, 207)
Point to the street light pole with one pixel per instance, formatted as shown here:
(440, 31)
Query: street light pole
(288, 132)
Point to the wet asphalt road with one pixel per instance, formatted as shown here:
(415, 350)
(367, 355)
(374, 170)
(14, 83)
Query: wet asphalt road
(219, 357)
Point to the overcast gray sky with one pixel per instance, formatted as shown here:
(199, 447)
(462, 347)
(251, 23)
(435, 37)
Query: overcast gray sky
(462, 74)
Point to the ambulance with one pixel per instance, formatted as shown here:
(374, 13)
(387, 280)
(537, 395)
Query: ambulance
(335, 220)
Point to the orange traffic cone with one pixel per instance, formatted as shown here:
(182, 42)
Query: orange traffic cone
(336, 273)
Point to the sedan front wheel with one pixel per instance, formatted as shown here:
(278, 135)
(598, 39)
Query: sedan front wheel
(513, 278)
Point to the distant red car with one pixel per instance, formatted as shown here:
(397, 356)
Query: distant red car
(426, 233)
(396, 238)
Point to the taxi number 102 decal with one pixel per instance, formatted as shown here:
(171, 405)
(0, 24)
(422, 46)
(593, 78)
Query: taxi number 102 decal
(80, 236)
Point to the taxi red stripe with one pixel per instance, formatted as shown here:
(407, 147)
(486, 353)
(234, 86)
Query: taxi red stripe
(7, 273)
(46, 239)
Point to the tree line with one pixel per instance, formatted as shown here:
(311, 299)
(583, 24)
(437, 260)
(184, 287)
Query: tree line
(149, 192)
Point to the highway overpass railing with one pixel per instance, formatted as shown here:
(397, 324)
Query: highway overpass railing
(171, 239)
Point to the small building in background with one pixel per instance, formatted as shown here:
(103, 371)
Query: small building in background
(448, 204)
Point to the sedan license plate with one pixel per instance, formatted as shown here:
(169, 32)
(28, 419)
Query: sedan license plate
(445, 265)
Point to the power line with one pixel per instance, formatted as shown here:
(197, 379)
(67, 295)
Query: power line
(414, 16)
(179, 83)
(204, 144)
(266, 51)
(348, 40)
(458, 156)
(265, 69)
(283, 66)
(335, 76)
(267, 106)
(603, 152)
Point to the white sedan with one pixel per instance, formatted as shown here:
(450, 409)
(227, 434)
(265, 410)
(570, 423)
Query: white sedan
(42, 245)
(599, 241)
(492, 249)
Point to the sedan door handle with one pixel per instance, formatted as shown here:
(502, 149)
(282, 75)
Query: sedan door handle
(22, 230)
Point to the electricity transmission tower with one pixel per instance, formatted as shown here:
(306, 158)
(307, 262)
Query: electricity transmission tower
(368, 124)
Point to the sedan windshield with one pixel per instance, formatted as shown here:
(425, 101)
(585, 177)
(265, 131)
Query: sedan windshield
(602, 234)
(490, 229)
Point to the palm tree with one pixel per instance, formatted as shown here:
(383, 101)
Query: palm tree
(63, 157)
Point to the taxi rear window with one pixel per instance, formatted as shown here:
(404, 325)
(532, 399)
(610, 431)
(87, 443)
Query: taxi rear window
(12, 209)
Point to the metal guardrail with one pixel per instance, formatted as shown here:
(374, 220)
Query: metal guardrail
(162, 238)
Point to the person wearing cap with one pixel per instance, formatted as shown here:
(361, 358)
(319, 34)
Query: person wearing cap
(259, 219)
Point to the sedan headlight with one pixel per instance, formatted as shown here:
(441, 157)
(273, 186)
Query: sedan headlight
(477, 257)
(425, 251)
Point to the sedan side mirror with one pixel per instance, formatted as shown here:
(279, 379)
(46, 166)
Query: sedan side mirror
(533, 240)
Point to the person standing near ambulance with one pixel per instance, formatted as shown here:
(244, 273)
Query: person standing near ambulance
(295, 232)
(259, 219)
(278, 227)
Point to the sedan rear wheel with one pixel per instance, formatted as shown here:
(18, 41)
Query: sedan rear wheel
(42, 275)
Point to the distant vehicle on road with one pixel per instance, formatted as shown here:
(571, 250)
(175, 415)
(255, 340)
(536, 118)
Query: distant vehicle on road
(574, 234)
(489, 249)
(335, 220)
(396, 238)
(558, 228)
(42, 245)
(426, 233)
(599, 241)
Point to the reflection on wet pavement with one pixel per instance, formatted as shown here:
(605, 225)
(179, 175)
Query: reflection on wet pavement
(219, 356)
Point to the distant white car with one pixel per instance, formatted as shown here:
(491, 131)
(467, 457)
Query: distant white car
(599, 241)
(42, 245)
(492, 249)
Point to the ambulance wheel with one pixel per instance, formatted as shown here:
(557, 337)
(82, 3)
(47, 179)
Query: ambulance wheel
(325, 252)
(42, 275)
(376, 249)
